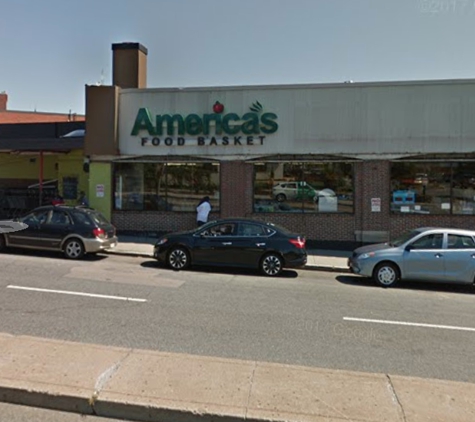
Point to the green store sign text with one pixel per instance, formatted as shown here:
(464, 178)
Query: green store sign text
(170, 130)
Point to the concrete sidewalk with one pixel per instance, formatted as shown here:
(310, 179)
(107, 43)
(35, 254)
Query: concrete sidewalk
(321, 260)
(146, 385)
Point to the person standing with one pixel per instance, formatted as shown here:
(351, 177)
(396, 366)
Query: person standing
(202, 211)
(82, 200)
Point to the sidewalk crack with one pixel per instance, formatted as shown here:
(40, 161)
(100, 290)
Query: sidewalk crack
(103, 379)
(395, 398)
(250, 389)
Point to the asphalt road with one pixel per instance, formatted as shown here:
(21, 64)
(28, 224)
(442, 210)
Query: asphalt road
(303, 317)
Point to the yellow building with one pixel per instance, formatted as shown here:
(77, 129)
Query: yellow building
(36, 167)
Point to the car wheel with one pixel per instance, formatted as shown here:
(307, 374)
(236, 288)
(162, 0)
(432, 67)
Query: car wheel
(178, 259)
(386, 274)
(3, 243)
(73, 249)
(280, 197)
(271, 265)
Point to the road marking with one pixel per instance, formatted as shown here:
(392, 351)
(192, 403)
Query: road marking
(411, 324)
(65, 292)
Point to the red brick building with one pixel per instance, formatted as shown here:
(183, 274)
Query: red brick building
(16, 116)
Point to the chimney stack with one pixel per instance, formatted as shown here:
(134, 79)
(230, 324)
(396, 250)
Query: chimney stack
(3, 101)
(129, 67)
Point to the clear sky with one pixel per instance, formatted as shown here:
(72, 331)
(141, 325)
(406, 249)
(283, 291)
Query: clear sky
(50, 49)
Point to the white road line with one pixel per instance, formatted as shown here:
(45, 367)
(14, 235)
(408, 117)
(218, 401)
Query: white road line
(65, 292)
(412, 324)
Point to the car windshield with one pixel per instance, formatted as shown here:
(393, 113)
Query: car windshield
(404, 238)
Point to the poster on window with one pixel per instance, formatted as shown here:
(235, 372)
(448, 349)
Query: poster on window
(375, 204)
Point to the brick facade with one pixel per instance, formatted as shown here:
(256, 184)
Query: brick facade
(371, 180)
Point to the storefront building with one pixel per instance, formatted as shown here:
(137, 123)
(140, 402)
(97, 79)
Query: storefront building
(341, 163)
(38, 163)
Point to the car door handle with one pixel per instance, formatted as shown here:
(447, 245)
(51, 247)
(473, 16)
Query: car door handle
(260, 244)
(227, 243)
(473, 255)
(438, 255)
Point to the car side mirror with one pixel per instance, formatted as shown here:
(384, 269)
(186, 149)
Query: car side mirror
(408, 248)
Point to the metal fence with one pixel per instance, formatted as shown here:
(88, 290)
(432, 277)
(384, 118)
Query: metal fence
(16, 202)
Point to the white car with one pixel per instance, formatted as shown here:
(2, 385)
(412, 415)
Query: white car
(292, 191)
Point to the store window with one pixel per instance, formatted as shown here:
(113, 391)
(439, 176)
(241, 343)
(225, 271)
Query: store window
(433, 188)
(165, 186)
(303, 187)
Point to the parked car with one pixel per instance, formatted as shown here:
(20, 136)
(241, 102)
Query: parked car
(234, 243)
(423, 254)
(73, 230)
(293, 191)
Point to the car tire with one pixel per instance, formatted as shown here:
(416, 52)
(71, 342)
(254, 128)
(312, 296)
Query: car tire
(3, 243)
(280, 197)
(73, 249)
(178, 258)
(271, 265)
(386, 274)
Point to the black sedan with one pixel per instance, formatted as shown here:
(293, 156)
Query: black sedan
(233, 243)
(73, 230)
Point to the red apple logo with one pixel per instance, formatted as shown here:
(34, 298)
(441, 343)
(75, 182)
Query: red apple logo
(218, 107)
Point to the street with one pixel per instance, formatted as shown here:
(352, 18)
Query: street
(308, 318)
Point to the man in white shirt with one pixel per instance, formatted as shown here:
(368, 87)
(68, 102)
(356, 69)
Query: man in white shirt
(202, 210)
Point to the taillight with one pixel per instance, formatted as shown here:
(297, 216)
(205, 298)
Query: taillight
(98, 232)
(298, 243)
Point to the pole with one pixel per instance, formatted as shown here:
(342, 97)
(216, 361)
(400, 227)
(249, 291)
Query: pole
(41, 177)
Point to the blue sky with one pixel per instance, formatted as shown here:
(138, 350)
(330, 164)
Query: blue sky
(50, 49)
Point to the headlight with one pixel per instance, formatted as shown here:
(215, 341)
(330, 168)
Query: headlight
(366, 255)
(161, 241)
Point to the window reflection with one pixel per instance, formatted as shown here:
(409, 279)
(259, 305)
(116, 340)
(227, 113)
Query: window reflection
(433, 188)
(303, 187)
(165, 186)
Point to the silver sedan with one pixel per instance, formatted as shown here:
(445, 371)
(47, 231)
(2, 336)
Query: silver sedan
(424, 254)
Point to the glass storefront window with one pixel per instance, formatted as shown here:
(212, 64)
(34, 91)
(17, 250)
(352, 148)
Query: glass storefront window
(433, 188)
(303, 187)
(165, 186)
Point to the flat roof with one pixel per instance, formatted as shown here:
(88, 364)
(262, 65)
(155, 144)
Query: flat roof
(344, 84)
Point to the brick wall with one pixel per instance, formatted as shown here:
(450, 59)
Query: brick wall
(401, 223)
(237, 180)
(154, 221)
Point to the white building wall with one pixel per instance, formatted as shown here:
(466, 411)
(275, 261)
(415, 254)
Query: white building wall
(371, 120)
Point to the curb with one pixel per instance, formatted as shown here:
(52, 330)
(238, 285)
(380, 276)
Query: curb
(307, 267)
(114, 409)
(126, 253)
